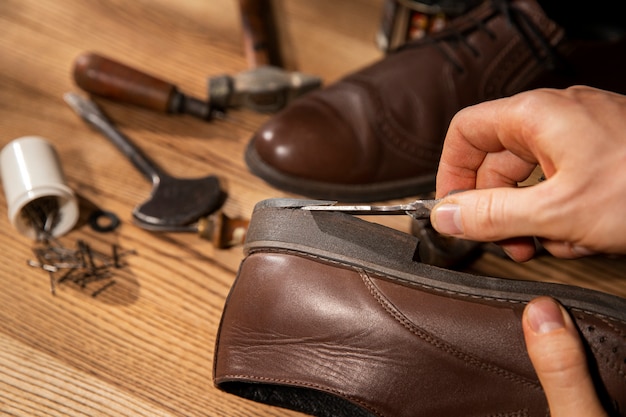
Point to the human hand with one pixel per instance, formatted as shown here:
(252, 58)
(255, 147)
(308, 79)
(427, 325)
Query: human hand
(577, 136)
(556, 351)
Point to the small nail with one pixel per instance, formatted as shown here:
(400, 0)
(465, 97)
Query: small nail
(448, 219)
(544, 316)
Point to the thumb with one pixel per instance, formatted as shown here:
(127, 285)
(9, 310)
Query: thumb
(487, 215)
(558, 356)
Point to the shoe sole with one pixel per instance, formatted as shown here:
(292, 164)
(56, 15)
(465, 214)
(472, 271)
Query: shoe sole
(343, 192)
(280, 225)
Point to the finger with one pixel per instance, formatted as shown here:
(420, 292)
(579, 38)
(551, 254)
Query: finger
(490, 215)
(519, 249)
(502, 169)
(565, 250)
(476, 131)
(556, 351)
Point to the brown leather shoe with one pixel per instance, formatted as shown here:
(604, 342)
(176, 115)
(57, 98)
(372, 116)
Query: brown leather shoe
(331, 315)
(377, 134)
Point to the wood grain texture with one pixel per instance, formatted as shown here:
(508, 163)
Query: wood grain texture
(144, 346)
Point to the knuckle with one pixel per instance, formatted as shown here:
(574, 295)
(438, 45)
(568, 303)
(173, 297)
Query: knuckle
(531, 104)
(490, 217)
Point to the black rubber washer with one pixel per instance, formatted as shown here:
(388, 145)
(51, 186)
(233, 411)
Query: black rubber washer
(111, 224)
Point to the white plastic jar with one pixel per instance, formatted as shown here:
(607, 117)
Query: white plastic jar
(31, 177)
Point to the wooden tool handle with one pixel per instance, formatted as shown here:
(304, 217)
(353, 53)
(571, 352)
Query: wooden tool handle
(107, 78)
(260, 36)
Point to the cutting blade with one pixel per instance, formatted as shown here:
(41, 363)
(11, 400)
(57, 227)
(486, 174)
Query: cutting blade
(418, 209)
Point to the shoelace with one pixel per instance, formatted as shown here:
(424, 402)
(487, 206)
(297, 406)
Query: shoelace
(532, 36)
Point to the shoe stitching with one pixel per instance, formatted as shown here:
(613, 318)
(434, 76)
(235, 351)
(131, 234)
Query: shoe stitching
(499, 69)
(519, 413)
(425, 286)
(426, 152)
(440, 344)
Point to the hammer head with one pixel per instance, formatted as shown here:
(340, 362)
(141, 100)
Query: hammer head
(178, 202)
(264, 89)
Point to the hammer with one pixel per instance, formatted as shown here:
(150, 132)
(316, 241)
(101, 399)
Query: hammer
(260, 36)
(263, 89)
(263, 54)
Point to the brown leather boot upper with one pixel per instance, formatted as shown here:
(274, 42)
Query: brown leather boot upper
(333, 316)
(377, 133)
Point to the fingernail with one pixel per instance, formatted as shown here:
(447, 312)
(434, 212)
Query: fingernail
(457, 191)
(544, 316)
(582, 251)
(448, 219)
(507, 252)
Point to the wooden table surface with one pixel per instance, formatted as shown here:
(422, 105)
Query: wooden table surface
(144, 346)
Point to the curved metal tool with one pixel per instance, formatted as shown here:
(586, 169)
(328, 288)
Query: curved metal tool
(173, 201)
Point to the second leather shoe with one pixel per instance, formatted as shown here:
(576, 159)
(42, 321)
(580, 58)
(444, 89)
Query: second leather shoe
(377, 134)
(335, 316)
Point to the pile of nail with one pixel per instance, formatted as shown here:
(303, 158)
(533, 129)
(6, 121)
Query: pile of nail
(81, 265)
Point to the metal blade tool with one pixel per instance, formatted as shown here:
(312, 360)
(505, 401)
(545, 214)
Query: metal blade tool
(418, 209)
